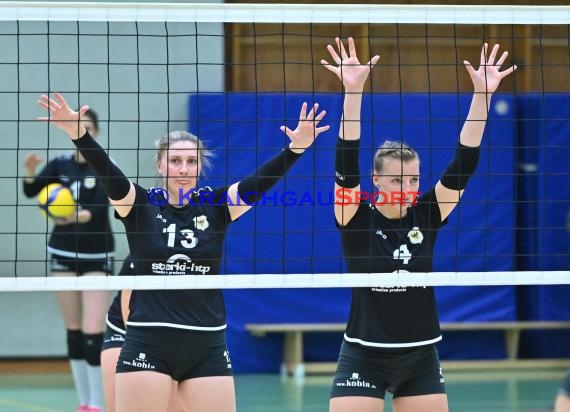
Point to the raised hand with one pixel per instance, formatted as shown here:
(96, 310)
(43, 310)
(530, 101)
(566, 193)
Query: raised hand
(32, 161)
(348, 68)
(487, 77)
(63, 116)
(307, 131)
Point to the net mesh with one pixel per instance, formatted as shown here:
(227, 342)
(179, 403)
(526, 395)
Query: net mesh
(233, 73)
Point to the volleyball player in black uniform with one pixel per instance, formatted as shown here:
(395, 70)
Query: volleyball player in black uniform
(178, 334)
(113, 343)
(562, 403)
(389, 343)
(79, 245)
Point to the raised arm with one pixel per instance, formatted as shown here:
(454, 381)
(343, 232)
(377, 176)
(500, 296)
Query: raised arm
(353, 75)
(249, 190)
(119, 189)
(486, 80)
(33, 182)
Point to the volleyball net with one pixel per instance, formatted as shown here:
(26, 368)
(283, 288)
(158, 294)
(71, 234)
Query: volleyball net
(234, 73)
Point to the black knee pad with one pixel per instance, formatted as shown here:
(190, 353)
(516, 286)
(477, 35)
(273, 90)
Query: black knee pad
(75, 344)
(92, 348)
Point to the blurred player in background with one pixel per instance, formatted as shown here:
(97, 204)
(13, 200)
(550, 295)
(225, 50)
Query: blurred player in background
(81, 244)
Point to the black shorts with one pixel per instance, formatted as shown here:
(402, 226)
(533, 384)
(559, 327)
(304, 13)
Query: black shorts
(371, 372)
(81, 266)
(178, 353)
(114, 338)
(565, 386)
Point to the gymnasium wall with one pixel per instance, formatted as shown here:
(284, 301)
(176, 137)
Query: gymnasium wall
(31, 320)
(544, 218)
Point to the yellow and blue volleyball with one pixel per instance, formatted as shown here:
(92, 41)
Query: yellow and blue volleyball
(57, 200)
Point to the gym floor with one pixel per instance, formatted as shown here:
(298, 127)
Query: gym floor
(489, 391)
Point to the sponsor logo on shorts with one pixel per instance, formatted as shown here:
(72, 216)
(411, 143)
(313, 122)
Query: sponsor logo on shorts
(140, 362)
(441, 378)
(356, 382)
(116, 337)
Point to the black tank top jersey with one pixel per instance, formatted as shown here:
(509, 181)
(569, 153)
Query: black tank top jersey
(392, 317)
(114, 315)
(90, 240)
(169, 241)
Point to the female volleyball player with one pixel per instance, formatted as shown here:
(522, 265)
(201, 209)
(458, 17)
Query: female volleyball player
(563, 398)
(113, 342)
(178, 334)
(389, 343)
(79, 245)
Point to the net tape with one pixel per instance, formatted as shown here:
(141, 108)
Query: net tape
(284, 13)
(274, 281)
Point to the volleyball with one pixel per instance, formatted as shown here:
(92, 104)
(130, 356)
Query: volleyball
(57, 200)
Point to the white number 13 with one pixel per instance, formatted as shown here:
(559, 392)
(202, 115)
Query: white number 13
(189, 241)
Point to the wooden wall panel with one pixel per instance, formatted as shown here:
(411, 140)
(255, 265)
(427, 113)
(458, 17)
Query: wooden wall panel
(414, 58)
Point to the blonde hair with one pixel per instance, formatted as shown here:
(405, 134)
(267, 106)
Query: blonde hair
(393, 150)
(204, 154)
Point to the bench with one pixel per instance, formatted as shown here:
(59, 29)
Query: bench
(293, 346)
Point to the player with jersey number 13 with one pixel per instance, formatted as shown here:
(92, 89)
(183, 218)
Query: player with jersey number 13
(81, 243)
(389, 343)
(179, 236)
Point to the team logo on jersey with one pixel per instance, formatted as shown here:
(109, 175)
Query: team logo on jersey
(89, 182)
(201, 222)
(416, 237)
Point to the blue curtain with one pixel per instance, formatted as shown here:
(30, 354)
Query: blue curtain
(243, 130)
